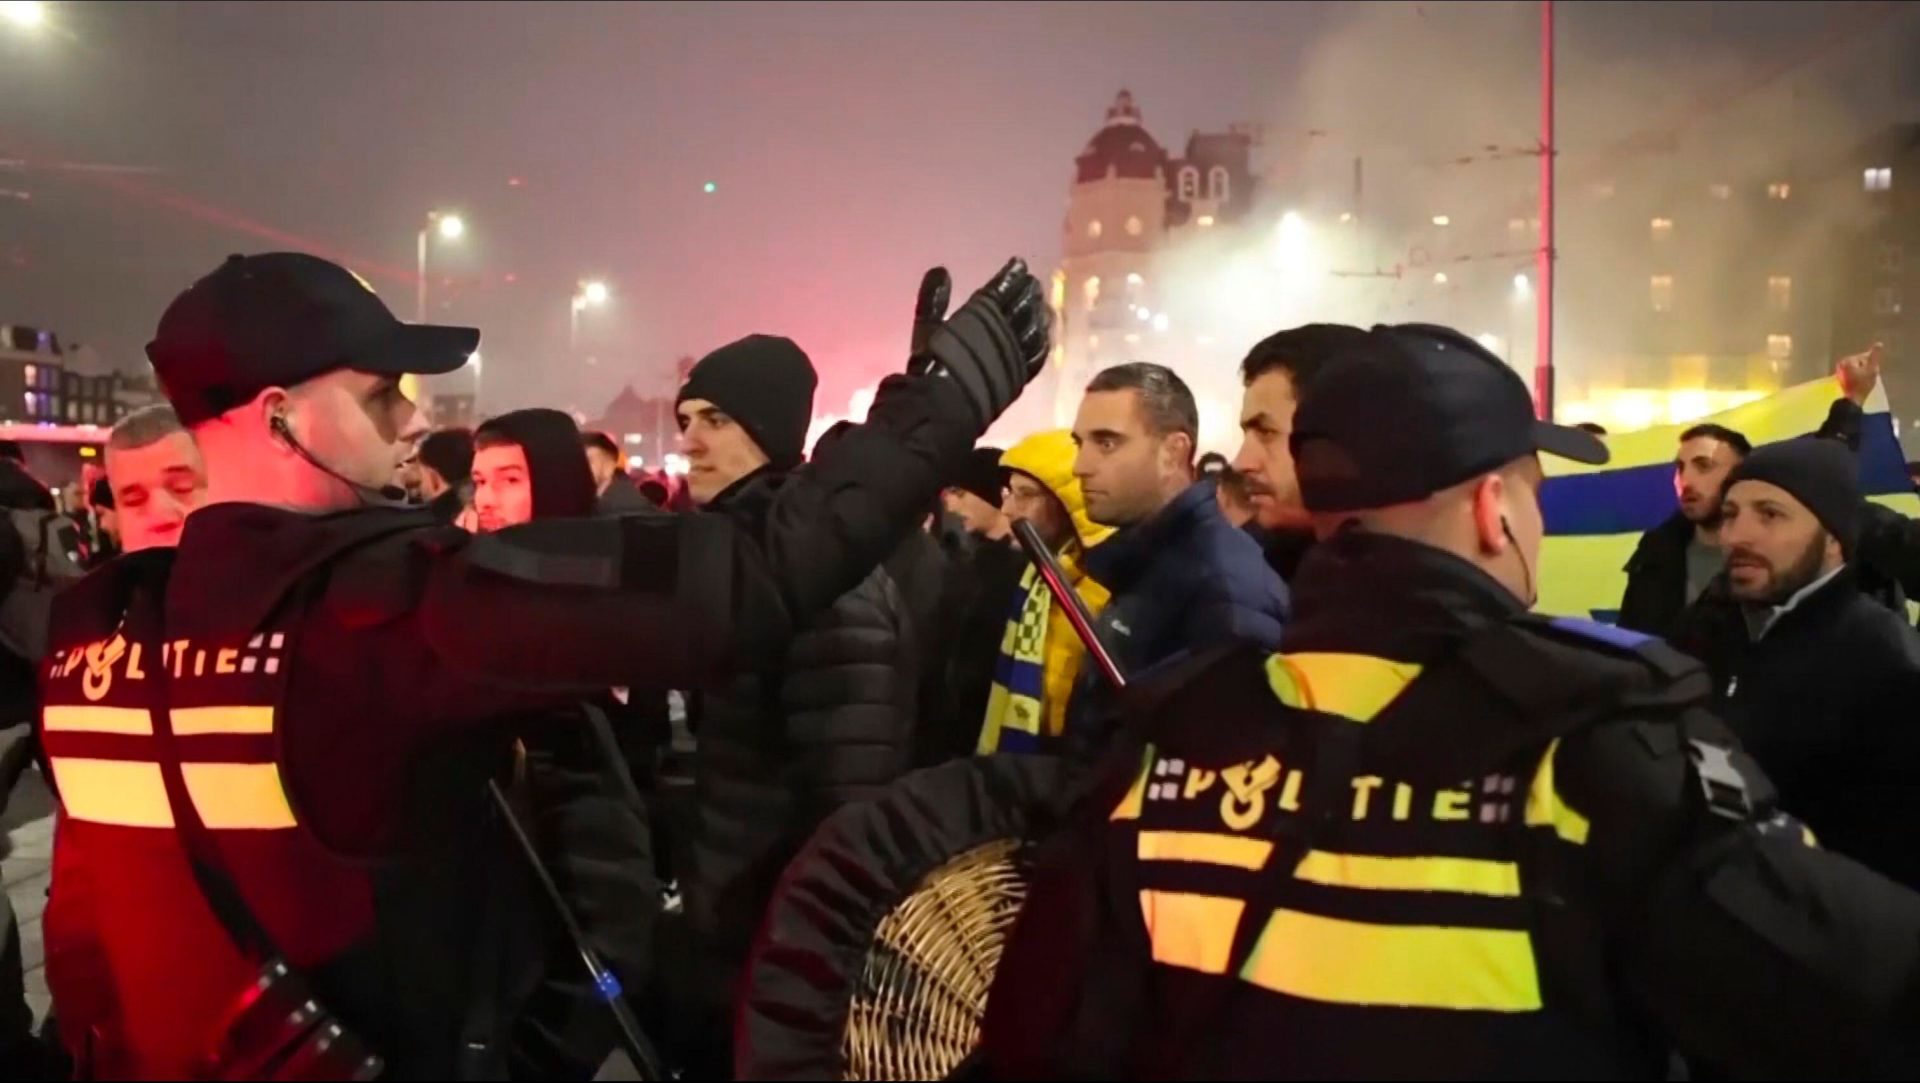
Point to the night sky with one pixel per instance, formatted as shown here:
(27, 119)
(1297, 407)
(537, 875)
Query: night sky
(851, 145)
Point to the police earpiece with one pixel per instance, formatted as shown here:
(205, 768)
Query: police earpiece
(1526, 569)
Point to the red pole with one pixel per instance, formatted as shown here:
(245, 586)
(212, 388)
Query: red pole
(1543, 343)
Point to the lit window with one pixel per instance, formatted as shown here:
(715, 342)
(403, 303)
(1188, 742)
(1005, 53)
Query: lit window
(1093, 229)
(1779, 190)
(29, 400)
(1780, 347)
(1886, 301)
(1878, 180)
(1662, 228)
(1189, 184)
(1134, 226)
(1660, 290)
(32, 373)
(1134, 281)
(1442, 220)
(1892, 256)
(1218, 184)
(1092, 291)
(1205, 220)
(1720, 191)
(1779, 293)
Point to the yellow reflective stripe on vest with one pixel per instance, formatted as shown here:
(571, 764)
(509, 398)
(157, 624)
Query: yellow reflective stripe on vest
(133, 721)
(1130, 805)
(1368, 872)
(1194, 932)
(1408, 966)
(1355, 686)
(1461, 875)
(1545, 807)
(238, 796)
(124, 793)
(132, 792)
(195, 721)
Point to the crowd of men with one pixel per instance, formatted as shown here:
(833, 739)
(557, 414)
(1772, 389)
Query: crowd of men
(672, 689)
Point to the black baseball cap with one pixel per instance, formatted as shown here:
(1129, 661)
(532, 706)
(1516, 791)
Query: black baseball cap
(1410, 410)
(281, 319)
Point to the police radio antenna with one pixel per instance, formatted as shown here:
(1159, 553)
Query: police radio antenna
(1070, 601)
(606, 984)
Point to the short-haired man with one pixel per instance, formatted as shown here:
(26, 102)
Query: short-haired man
(1182, 577)
(1676, 560)
(1818, 679)
(617, 492)
(156, 475)
(1276, 373)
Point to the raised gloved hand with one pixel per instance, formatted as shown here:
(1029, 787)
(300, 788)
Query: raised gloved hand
(930, 308)
(994, 345)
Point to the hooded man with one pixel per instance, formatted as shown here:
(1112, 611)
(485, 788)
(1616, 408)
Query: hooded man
(1041, 657)
(591, 830)
(782, 747)
(444, 461)
(1817, 679)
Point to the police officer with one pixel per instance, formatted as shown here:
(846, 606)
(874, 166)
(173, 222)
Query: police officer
(269, 744)
(1437, 836)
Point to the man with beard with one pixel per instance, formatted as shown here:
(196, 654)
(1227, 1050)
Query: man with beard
(1276, 373)
(1677, 559)
(1816, 678)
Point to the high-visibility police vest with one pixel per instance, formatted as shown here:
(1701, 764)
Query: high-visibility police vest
(134, 952)
(1424, 924)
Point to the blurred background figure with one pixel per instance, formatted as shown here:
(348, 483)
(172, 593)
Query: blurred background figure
(446, 466)
(616, 490)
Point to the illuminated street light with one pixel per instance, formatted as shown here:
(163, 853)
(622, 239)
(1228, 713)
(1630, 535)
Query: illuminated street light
(25, 14)
(1439, 278)
(1522, 286)
(590, 294)
(1442, 220)
(450, 227)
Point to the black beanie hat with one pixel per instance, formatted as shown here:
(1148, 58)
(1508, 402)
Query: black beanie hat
(766, 384)
(982, 475)
(1822, 474)
(562, 481)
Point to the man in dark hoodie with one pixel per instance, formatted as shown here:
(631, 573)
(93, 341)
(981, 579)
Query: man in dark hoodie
(587, 819)
(780, 748)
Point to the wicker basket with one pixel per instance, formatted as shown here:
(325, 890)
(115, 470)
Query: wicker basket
(916, 1011)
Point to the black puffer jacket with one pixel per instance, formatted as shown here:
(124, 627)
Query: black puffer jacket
(781, 748)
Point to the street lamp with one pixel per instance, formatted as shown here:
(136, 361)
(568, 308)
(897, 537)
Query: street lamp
(451, 228)
(25, 14)
(590, 293)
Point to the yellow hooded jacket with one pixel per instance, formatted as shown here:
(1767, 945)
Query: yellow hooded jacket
(1040, 657)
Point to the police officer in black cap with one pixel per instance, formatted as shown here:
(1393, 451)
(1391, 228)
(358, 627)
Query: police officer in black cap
(1437, 836)
(270, 745)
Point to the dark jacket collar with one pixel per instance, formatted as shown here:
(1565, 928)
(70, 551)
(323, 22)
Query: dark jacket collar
(1121, 560)
(1368, 593)
(1286, 550)
(1815, 611)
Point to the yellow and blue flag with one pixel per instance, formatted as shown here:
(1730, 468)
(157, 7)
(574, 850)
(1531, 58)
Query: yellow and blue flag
(1596, 514)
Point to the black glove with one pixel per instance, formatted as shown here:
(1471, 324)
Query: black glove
(995, 344)
(930, 308)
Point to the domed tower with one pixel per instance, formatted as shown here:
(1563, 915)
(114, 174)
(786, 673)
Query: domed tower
(1116, 219)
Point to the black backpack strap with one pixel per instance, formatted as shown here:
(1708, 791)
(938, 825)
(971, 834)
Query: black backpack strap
(222, 895)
